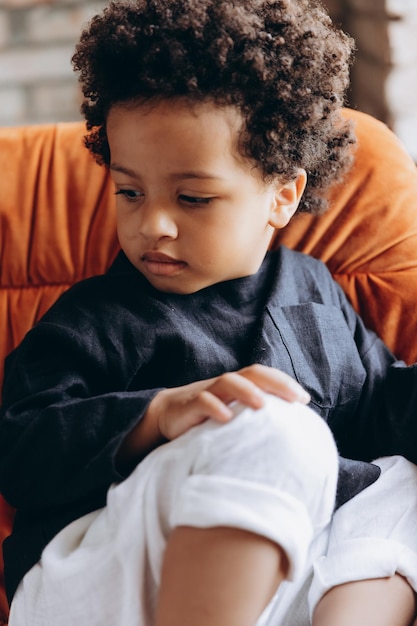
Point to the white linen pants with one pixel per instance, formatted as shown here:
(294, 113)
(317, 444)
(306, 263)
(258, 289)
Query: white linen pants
(272, 472)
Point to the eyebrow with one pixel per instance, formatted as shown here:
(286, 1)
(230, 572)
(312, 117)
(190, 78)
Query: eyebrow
(176, 176)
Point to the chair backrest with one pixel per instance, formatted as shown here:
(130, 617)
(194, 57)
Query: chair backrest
(57, 226)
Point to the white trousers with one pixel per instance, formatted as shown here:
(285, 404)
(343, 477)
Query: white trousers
(272, 472)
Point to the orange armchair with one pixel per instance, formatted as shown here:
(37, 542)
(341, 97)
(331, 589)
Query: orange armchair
(57, 226)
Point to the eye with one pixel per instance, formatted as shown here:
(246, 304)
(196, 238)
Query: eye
(195, 201)
(130, 194)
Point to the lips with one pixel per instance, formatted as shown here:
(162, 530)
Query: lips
(158, 257)
(160, 264)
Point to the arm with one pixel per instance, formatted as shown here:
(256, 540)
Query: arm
(70, 424)
(385, 421)
(66, 409)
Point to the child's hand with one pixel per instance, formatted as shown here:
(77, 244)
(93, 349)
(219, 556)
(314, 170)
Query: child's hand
(174, 411)
(177, 410)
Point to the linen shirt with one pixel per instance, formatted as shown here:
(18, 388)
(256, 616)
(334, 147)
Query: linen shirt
(85, 374)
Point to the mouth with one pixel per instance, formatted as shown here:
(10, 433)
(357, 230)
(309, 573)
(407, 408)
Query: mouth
(160, 264)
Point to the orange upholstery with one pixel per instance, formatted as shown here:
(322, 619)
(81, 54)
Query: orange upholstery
(57, 226)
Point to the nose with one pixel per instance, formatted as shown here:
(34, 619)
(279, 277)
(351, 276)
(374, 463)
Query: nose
(157, 220)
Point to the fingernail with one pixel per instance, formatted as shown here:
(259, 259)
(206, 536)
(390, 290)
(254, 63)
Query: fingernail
(304, 396)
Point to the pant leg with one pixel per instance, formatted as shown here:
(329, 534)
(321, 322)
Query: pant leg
(272, 472)
(374, 535)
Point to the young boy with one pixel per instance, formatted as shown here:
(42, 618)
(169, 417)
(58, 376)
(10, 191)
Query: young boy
(163, 462)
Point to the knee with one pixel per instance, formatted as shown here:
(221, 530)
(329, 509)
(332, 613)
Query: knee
(302, 438)
(286, 446)
(303, 455)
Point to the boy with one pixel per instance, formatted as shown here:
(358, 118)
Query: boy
(194, 339)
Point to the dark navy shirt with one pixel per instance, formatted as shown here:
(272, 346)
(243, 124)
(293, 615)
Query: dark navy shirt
(84, 375)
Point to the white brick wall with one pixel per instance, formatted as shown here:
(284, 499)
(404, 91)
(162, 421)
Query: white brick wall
(387, 7)
(46, 24)
(25, 66)
(4, 29)
(384, 76)
(37, 40)
(12, 105)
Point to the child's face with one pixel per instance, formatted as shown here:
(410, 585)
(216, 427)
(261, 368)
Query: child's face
(190, 211)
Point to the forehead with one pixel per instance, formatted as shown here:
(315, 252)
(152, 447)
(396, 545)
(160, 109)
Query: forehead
(175, 131)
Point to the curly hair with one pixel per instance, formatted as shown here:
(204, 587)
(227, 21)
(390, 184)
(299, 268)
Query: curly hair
(282, 63)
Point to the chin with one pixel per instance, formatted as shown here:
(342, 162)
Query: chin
(177, 288)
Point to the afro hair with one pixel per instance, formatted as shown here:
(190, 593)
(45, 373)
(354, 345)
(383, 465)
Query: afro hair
(282, 63)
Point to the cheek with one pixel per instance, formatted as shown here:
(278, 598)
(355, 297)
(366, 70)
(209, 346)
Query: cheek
(121, 232)
(127, 224)
(205, 249)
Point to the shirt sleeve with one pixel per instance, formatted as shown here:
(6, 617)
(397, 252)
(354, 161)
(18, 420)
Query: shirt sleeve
(66, 409)
(385, 421)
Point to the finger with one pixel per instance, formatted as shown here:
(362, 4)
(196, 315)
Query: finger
(212, 406)
(276, 382)
(202, 407)
(234, 387)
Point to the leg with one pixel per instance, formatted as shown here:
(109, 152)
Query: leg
(218, 577)
(369, 574)
(378, 602)
(181, 524)
(271, 478)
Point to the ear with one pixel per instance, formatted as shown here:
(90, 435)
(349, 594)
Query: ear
(286, 200)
